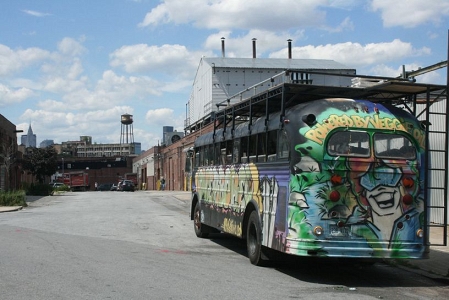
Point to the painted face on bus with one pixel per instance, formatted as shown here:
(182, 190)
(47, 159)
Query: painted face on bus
(377, 184)
(382, 191)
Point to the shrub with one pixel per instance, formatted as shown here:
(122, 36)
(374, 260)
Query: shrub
(62, 188)
(13, 198)
(39, 189)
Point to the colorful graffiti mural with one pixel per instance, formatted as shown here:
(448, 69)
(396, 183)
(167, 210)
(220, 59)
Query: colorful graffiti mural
(353, 186)
(373, 200)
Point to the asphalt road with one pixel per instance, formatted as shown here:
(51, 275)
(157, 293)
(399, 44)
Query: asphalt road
(141, 245)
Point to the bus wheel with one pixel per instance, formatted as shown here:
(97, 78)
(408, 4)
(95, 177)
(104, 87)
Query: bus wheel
(253, 240)
(198, 226)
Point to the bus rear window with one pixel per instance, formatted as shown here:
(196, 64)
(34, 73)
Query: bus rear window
(393, 146)
(349, 143)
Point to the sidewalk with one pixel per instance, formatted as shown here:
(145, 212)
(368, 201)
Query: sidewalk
(438, 263)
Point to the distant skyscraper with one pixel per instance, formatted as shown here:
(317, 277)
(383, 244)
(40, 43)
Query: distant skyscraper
(29, 139)
(46, 143)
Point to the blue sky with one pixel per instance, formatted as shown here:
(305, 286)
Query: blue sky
(72, 68)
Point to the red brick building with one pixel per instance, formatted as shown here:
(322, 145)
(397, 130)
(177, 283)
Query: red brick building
(10, 171)
(172, 162)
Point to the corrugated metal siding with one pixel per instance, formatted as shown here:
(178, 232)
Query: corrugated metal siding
(438, 158)
(219, 78)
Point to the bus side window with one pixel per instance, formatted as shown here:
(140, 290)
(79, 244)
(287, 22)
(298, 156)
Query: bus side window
(252, 148)
(236, 152)
(283, 145)
(229, 152)
(210, 155)
(205, 160)
(271, 145)
(188, 163)
(201, 157)
(217, 154)
(262, 147)
(244, 149)
(197, 158)
(223, 153)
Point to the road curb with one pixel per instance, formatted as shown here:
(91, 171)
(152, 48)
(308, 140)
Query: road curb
(10, 208)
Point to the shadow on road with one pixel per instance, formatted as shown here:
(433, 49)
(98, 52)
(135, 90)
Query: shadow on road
(334, 271)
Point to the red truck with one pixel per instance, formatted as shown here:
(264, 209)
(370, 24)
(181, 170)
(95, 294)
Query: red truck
(77, 181)
(132, 177)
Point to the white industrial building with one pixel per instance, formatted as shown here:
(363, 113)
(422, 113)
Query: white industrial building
(108, 150)
(219, 79)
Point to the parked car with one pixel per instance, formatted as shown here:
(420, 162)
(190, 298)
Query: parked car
(104, 187)
(57, 185)
(114, 186)
(126, 185)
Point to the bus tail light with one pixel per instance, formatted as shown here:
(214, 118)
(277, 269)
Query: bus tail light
(334, 196)
(407, 199)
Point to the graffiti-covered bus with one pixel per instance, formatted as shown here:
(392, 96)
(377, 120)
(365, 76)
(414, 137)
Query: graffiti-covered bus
(333, 177)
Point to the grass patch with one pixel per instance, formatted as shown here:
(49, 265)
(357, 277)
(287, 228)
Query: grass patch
(13, 198)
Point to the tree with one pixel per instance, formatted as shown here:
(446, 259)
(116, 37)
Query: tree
(7, 159)
(40, 162)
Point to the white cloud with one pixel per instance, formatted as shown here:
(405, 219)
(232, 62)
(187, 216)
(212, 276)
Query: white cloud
(11, 96)
(57, 72)
(345, 25)
(71, 47)
(12, 61)
(167, 59)
(434, 77)
(146, 138)
(35, 13)
(411, 13)
(160, 116)
(386, 71)
(52, 105)
(355, 54)
(112, 90)
(62, 85)
(236, 14)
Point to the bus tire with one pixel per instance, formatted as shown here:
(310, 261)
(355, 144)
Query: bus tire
(254, 240)
(200, 229)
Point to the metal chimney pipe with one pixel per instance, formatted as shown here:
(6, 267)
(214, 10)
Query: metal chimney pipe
(254, 47)
(289, 48)
(223, 47)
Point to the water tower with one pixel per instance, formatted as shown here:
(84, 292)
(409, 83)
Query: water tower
(127, 135)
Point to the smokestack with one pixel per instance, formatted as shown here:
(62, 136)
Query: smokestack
(289, 48)
(254, 47)
(222, 47)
